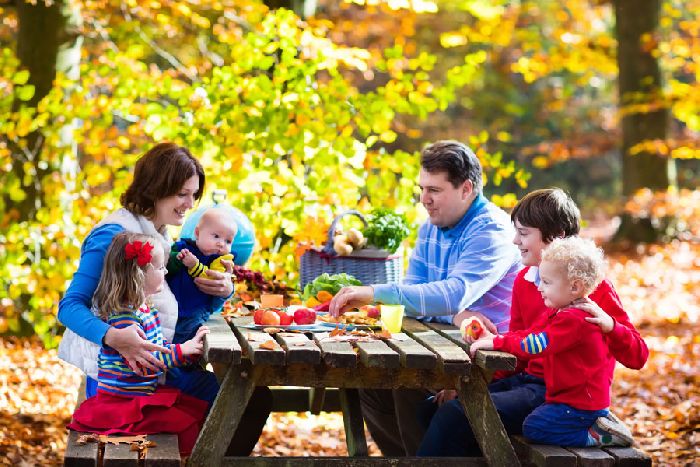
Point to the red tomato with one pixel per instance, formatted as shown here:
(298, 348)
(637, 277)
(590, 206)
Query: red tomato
(304, 316)
(285, 318)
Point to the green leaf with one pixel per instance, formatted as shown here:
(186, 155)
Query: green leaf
(21, 77)
(25, 93)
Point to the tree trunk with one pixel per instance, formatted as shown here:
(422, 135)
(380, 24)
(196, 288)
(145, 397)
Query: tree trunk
(47, 42)
(639, 84)
(303, 8)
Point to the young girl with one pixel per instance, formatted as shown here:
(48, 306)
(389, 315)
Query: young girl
(574, 351)
(127, 403)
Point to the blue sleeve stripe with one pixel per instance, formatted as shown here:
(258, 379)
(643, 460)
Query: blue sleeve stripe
(534, 343)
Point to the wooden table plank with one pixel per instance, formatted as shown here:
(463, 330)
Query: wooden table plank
(361, 377)
(299, 348)
(376, 353)
(451, 358)
(335, 354)
(251, 341)
(487, 359)
(221, 345)
(412, 353)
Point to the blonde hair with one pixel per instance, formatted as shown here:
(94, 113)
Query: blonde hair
(121, 286)
(581, 259)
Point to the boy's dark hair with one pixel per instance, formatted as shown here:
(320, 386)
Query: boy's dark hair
(160, 173)
(549, 210)
(456, 159)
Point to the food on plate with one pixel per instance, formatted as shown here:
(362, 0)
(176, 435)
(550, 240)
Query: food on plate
(270, 318)
(304, 316)
(371, 311)
(327, 283)
(257, 316)
(285, 318)
(351, 317)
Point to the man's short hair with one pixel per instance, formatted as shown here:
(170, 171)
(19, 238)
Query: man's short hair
(456, 159)
(549, 210)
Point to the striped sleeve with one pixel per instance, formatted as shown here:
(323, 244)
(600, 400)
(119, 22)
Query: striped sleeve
(154, 333)
(198, 270)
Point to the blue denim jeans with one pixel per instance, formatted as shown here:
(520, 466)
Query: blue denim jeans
(560, 424)
(187, 326)
(449, 432)
(192, 380)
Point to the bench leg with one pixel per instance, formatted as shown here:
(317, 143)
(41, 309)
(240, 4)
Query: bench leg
(224, 417)
(484, 420)
(354, 423)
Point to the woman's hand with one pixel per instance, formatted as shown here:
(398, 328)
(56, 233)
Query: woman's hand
(217, 283)
(131, 344)
(485, 343)
(351, 297)
(599, 317)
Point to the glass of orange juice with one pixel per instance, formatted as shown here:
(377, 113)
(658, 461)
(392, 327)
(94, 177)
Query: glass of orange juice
(392, 317)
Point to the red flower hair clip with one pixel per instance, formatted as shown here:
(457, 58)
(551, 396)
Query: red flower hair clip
(139, 250)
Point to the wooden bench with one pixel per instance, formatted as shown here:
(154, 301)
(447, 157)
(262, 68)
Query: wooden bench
(540, 455)
(165, 453)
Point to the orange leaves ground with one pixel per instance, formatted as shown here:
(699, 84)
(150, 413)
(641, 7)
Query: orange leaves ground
(659, 285)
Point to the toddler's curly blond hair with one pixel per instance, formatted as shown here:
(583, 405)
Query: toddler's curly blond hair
(581, 258)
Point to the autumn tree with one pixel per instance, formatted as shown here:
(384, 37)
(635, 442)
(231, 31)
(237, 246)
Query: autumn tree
(258, 95)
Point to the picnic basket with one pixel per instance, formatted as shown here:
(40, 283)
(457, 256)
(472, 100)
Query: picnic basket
(369, 265)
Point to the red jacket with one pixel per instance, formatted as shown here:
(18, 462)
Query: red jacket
(625, 344)
(575, 356)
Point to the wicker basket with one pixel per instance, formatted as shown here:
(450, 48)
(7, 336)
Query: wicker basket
(369, 265)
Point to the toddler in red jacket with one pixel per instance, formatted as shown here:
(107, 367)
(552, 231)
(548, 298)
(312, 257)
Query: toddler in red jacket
(574, 352)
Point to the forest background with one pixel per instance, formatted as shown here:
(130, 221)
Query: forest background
(300, 109)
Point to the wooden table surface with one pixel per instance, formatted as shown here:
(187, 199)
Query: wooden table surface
(429, 356)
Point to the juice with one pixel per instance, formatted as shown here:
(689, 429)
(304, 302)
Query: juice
(392, 317)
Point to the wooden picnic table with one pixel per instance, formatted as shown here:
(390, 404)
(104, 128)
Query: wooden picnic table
(430, 356)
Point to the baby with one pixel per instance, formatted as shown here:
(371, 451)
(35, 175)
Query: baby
(214, 236)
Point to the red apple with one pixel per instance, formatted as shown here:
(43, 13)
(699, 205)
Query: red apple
(304, 316)
(270, 318)
(257, 317)
(373, 312)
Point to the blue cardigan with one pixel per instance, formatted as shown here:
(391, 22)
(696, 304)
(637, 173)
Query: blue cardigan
(74, 308)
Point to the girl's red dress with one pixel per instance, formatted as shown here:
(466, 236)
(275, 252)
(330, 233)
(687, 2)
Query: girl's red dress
(167, 410)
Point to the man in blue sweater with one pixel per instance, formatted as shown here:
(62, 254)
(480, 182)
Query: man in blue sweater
(464, 264)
